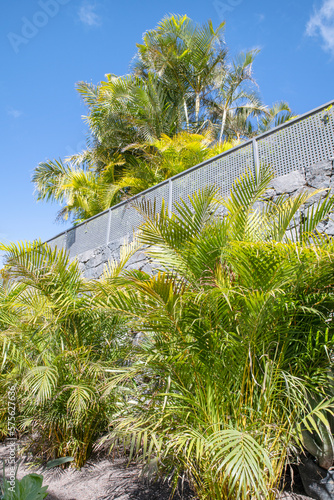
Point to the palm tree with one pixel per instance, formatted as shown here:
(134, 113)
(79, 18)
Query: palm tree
(235, 327)
(181, 82)
(57, 350)
(168, 156)
(234, 96)
(278, 114)
(84, 192)
(126, 110)
(186, 57)
(242, 123)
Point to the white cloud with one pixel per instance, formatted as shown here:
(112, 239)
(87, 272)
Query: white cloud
(321, 24)
(15, 113)
(88, 16)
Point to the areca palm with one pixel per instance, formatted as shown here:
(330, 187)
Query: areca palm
(126, 110)
(236, 335)
(186, 57)
(83, 192)
(234, 97)
(242, 123)
(167, 157)
(279, 113)
(86, 192)
(181, 81)
(286, 219)
(56, 348)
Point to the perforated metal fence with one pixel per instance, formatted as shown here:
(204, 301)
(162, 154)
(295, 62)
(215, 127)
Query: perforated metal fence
(295, 145)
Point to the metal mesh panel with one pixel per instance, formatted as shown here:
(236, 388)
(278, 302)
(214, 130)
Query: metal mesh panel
(126, 219)
(220, 173)
(296, 146)
(299, 145)
(157, 195)
(59, 242)
(122, 221)
(87, 236)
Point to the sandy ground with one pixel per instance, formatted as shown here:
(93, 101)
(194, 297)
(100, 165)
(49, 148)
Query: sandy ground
(102, 479)
(105, 480)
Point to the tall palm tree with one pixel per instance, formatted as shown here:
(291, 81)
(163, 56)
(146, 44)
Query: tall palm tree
(234, 95)
(244, 123)
(181, 82)
(278, 114)
(186, 56)
(127, 109)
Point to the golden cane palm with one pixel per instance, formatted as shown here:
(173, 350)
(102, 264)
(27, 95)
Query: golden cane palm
(181, 83)
(82, 192)
(187, 57)
(166, 157)
(127, 109)
(235, 96)
(236, 335)
(57, 348)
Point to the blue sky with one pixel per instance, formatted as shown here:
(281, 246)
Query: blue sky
(49, 45)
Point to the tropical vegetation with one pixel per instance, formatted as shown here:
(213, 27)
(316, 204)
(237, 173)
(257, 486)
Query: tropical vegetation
(87, 193)
(28, 488)
(184, 94)
(59, 349)
(216, 367)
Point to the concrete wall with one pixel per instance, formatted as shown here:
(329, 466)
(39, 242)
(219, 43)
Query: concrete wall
(319, 176)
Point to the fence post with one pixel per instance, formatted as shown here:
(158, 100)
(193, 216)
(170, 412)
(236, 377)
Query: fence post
(256, 158)
(108, 228)
(65, 242)
(170, 197)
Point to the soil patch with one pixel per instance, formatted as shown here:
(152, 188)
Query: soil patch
(99, 479)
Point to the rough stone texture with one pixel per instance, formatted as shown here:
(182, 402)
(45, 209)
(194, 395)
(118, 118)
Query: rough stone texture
(319, 176)
(93, 262)
(318, 483)
(330, 226)
(288, 183)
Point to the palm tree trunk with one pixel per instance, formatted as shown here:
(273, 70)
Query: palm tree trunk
(186, 113)
(222, 126)
(197, 105)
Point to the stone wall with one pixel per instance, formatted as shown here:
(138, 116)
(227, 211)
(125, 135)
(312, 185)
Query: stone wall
(319, 176)
(93, 262)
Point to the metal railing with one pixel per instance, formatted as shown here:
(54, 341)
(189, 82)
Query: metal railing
(295, 145)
